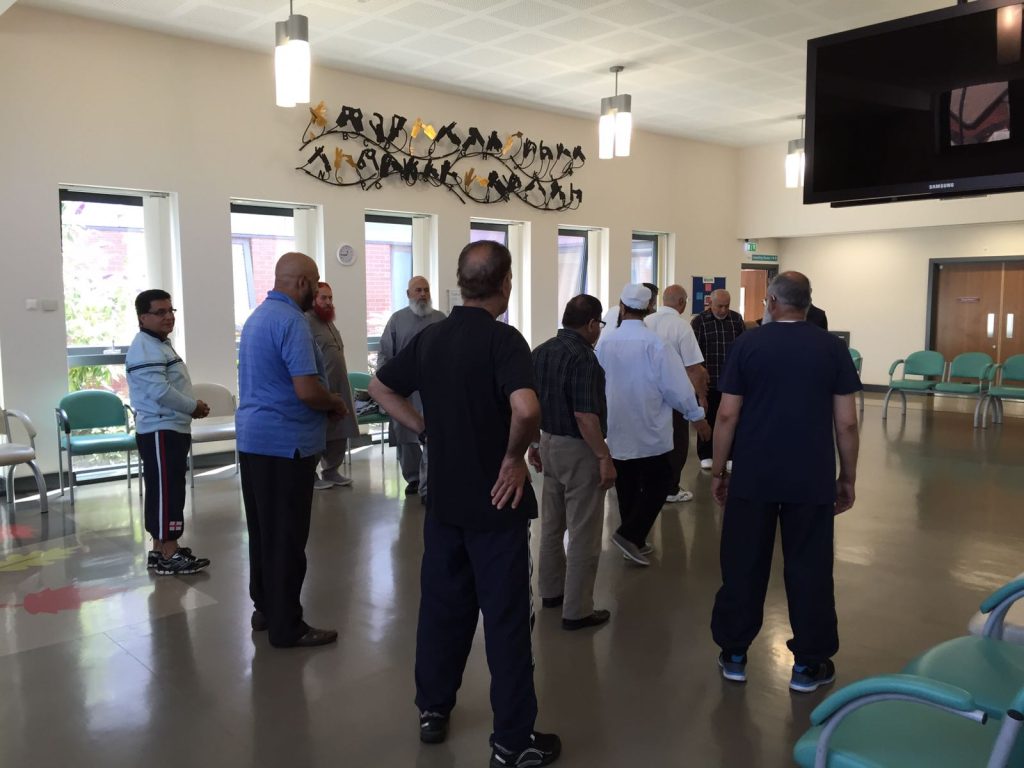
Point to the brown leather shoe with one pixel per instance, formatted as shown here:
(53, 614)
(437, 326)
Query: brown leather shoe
(258, 622)
(314, 637)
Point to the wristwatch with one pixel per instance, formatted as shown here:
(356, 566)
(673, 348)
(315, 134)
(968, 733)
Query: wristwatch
(720, 475)
(535, 446)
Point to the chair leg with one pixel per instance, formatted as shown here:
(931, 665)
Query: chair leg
(140, 475)
(885, 404)
(128, 471)
(903, 404)
(9, 484)
(191, 468)
(977, 411)
(71, 479)
(60, 464)
(237, 462)
(44, 505)
(998, 418)
(860, 398)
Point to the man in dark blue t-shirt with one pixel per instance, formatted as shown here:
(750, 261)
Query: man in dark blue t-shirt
(785, 386)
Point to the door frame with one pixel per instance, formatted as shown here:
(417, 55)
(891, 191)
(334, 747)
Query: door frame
(933, 285)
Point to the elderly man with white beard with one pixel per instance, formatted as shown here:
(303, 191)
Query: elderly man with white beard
(402, 328)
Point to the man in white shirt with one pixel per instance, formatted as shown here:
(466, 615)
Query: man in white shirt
(644, 382)
(611, 317)
(672, 328)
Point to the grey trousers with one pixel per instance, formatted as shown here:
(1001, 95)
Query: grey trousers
(333, 455)
(572, 501)
(412, 458)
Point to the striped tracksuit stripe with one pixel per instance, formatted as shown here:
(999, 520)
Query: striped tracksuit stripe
(165, 461)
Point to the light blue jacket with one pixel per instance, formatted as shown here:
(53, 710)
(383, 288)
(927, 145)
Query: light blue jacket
(159, 386)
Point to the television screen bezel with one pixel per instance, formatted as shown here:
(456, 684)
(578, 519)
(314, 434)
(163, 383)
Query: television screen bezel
(924, 190)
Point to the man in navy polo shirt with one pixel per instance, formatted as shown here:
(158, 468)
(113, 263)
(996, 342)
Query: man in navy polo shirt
(282, 426)
(785, 386)
(480, 414)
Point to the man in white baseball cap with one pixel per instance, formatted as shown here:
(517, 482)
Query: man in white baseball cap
(645, 381)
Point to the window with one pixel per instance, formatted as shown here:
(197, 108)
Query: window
(260, 234)
(495, 232)
(389, 267)
(643, 266)
(572, 266)
(103, 245)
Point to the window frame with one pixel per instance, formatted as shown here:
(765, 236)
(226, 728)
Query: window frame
(650, 238)
(373, 342)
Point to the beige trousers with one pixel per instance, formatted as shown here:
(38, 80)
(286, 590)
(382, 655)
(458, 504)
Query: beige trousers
(572, 501)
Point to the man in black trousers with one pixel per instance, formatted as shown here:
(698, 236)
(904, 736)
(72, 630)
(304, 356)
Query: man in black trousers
(282, 426)
(785, 387)
(480, 413)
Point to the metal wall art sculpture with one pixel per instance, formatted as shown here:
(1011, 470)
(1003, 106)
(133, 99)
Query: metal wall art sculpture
(469, 164)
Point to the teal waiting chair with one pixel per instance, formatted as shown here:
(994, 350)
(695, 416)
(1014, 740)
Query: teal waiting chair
(926, 364)
(858, 363)
(974, 366)
(217, 427)
(991, 669)
(14, 453)
(905, 721)
(79, 417)
(1010, 370)
(361, 381)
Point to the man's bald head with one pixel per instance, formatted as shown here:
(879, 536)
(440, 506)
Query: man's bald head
(675, 298)
(484, 266)
(297, 276)
(720, 301)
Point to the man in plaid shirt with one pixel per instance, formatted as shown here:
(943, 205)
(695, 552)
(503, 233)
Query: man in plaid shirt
(716, 329)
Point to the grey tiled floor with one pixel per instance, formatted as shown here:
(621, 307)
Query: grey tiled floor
(102, 664)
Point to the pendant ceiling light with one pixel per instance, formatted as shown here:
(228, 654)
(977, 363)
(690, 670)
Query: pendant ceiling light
(795, 160)
(292, 60)
(616, 127)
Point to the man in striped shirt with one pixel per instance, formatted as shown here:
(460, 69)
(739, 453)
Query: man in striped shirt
(161, 395)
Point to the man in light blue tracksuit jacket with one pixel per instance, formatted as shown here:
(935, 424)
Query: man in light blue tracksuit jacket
(161, 394)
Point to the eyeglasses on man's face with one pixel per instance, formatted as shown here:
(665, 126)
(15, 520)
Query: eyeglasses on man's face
(162, 312)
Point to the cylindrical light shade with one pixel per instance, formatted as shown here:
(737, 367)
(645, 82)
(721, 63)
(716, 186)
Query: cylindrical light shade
(795, 164)
(606, 131)
(292, 61)
(1008, 34)
(623, 133)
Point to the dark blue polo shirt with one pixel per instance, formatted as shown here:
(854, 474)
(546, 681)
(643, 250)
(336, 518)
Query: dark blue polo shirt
(784, 448)
(465, 368)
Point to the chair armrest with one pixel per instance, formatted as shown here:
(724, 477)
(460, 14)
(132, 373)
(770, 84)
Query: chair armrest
(26, 422)
(129, 418)
(903, 687)
(893, 367)
(998, 604)
(63, 424)
(910, 688)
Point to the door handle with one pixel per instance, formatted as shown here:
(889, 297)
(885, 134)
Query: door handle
(1009, 325)
(990, 327)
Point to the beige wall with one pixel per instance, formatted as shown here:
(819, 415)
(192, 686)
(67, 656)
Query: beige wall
(91, 103)
(869, 264)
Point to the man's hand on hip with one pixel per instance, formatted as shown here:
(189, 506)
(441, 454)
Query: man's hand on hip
(511, 478)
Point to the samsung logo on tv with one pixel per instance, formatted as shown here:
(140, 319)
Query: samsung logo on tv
(943, 185)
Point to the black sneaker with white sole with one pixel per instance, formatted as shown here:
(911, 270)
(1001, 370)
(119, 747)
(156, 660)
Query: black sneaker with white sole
(180, 564)
(154, 556)
(433, 727)
(544, 749)
(808, 679)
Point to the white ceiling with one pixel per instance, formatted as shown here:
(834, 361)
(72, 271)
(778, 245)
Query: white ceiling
(726, 71)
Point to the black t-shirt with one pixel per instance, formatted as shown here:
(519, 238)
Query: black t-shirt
(787, 374)
(465, 368)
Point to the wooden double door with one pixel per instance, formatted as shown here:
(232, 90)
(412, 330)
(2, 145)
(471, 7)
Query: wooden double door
(978, 307)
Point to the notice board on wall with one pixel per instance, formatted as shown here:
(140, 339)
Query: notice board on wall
(700, 298)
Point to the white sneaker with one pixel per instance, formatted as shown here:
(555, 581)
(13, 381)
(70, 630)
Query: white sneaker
(683, 495)
(706, 463)
(322, 485)
(728, 466)
(335, 477)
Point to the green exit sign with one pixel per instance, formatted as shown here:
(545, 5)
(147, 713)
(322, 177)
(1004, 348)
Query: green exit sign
(749, 246)
(764, 257)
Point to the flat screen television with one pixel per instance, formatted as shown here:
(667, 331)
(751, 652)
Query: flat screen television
(922, 107)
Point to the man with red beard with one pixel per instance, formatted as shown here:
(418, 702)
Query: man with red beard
(332, 350)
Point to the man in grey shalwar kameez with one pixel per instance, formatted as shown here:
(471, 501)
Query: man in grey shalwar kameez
(332, 350)
(400, 330)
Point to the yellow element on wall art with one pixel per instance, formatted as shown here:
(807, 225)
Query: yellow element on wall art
(510, 140)
(319, 113)
(340, 157)
(426, 128)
